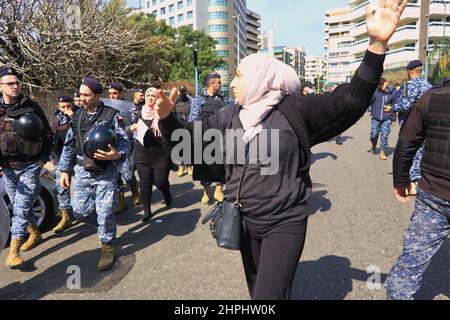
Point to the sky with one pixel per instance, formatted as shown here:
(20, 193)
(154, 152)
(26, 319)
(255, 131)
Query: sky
(296, 22)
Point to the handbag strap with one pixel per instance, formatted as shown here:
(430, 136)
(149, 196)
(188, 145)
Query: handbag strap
(238, 198)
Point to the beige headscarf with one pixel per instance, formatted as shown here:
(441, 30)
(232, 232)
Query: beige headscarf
(268, 82)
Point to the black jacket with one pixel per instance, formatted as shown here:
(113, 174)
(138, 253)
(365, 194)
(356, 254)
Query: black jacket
(429, 122)
(325, 116)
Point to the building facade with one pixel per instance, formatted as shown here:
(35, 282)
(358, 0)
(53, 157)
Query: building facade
(314, 68)
(253, 32)
(422, 24)
(223, 20)
(337, 42)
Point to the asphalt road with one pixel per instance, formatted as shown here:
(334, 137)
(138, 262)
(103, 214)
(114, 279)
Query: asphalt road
(357, 226)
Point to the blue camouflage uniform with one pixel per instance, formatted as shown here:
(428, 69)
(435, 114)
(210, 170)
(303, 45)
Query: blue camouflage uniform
(381, 121)
(62, 194)
(428, 230)
(94, 193)
(414, 90)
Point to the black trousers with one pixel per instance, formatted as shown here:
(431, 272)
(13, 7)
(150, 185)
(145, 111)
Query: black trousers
(270, 259)
(149, 177)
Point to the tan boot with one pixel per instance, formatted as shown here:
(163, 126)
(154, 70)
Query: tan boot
(34, 239)
(180, 171)
(383, 155)
(14, 261)
(218, 194)
(190, 170)
(107, 258)
(65, 223)
(206, 194)
(135, 196)
(122, 204)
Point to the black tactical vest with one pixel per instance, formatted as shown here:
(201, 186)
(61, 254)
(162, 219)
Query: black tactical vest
(437, 140)
(12, 147)
(81, 124)
(59, 134)
(212, 105)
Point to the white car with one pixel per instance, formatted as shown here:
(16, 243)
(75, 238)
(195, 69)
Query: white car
(44, 207)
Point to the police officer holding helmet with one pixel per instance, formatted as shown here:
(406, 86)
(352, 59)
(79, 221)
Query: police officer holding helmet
(25, 143)
(95, 147)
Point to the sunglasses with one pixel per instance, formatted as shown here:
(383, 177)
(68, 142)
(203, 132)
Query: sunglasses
(11, 84)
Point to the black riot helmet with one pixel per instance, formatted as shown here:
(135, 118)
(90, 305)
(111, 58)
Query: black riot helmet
(29, 127)
(99, 138)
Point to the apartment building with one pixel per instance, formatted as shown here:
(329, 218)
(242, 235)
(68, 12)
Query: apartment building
(253, 32)
(337, 41)
(422, 24)
(223, 20)
(314, 68)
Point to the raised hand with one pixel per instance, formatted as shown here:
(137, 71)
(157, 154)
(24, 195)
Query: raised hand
(382, 23)
(164, 105)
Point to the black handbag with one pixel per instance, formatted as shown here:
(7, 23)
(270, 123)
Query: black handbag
(227, 223)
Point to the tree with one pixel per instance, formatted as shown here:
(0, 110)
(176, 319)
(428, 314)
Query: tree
(54, 43)
(186, 40)
(441, 54)
(178, 63)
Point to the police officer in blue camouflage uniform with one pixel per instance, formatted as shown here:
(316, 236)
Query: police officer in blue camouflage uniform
(415, 88)
(25, 143)
(95, 176)
(203, 105)
(427, 123)
(382, 117)
(126, 171)
(61, 123)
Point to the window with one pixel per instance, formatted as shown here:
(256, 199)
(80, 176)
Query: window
(189, 3)
(172, 21)
(222, 41)
(218, 28)
(171, 8)
(180, 18)
(162, 11)
(222, 53)
(218, 15)
(218, 3)
(190, 15)
(180, 5)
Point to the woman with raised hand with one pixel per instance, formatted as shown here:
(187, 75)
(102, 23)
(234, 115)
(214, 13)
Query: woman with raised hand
(275, 206)
(152, 159)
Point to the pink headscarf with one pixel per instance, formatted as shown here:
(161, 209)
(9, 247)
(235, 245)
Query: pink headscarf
(268, 82)
(148, 113)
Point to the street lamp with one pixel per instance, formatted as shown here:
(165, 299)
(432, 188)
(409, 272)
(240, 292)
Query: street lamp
(238, 18)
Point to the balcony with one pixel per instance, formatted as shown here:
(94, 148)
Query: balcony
(402, 34)
(412, 11)
(436, 29)
(394, 59)
(437, 7)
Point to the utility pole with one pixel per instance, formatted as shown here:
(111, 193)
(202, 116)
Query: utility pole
(424, 30)
(195, 58)
(238, 18)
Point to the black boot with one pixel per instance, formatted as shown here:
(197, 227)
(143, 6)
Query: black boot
(147, 216)
(168, 199)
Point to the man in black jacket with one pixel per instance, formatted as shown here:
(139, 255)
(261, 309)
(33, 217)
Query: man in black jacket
(428, 121)
(26, 141)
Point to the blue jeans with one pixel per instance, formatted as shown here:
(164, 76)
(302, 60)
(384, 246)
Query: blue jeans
(429, 228)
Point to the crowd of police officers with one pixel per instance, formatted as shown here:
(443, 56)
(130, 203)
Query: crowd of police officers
(91, 147)
(93, 151)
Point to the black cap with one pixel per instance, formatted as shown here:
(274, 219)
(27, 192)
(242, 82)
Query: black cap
(414, 64)
(140, 90)
(308, 84)
(76, 95)
(182, 89)
(93, 84)
(212, 76)
(116, 86)
(65, 99)
(7, 71)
